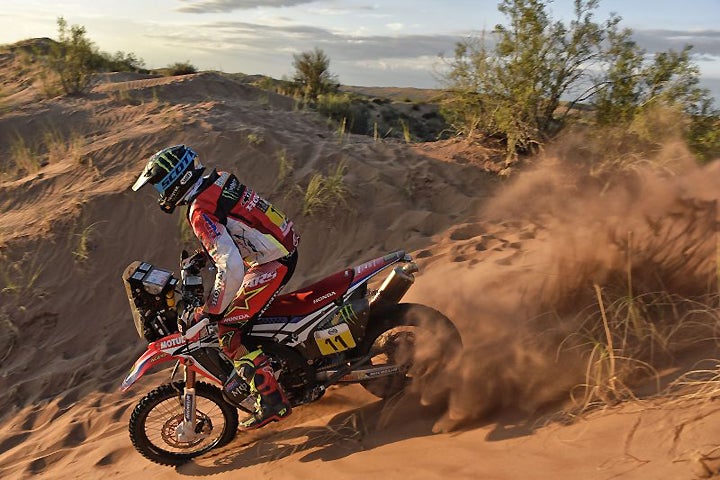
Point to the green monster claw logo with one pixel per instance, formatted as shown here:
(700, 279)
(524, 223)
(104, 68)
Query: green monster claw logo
(165, 157)
(226, 338)
(347, 314)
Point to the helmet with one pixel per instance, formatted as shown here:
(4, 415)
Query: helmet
(173, 171)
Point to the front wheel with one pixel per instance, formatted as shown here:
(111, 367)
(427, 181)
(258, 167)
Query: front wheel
(414, 336)
(154, 421)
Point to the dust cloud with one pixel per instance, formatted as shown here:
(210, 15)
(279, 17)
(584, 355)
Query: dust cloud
(631, 225)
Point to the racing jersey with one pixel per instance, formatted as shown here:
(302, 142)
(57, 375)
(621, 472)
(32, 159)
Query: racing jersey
(236, 226)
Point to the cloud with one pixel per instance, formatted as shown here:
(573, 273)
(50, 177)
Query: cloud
(281, 38)
(704, 42)
(362, 58)
(224, 6)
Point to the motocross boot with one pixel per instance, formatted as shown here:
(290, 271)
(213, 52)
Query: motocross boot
(272, 404)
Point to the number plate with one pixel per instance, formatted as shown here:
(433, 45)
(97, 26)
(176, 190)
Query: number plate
(334, 339)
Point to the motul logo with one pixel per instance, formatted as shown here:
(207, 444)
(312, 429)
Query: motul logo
(173, 342)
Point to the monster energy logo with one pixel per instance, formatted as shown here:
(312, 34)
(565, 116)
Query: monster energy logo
(231, 194)
(347, 314)
(168, 166)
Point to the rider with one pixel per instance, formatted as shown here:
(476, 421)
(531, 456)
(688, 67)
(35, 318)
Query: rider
(237, 228)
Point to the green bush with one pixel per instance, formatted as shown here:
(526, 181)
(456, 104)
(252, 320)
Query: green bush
(72, 58)
(513, 91)
(343, 107)
(181, 68)
(312, 75)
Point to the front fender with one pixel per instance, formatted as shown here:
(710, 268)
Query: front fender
(152, 356)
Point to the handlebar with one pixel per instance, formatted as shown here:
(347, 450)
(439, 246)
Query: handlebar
(194, 263)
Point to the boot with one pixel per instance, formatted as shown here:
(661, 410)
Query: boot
(272, 405)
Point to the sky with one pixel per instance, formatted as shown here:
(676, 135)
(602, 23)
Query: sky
(389, 43)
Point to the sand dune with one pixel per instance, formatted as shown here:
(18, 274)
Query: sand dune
(493, 252)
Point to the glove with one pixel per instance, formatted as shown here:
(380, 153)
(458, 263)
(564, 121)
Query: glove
(194, 263)
(198, 315)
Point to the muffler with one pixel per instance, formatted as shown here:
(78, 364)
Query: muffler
(396, 284)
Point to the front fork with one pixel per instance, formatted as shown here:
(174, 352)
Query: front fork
(185, 431)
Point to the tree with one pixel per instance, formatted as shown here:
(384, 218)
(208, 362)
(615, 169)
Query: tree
(72, 58)
(534, 63)
(312, 75)
(514, 90)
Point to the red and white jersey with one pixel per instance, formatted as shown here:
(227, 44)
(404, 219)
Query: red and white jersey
(237, 227)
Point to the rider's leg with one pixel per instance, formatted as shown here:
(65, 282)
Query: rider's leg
(231, 345)
(260, 285)
(272, 405)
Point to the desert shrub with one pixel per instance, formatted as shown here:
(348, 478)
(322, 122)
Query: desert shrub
(181, 68)
(312, 74)
(28, 156)
(343, 107)
(324, 193)
(513, 90)
(255, 139)
(72, 58)
(285, 169)
(71, 61)
(119, 62)
(703, 132)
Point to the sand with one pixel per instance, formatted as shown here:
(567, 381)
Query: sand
(493, 252)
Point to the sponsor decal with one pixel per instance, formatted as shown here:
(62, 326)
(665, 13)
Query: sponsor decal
(261, 279)
(277, 218)
(253, 202)
(263, 205)
(324, 297)
(211, 229)
(157, 357)
(186, 178)
(267, 304)
(367, 266)
(277, 320)
(214, 296)
(347, 314)
(218, 288)
(237, 318)
(241, 301)
(384, 371)
(173, 193)
(188, 405)
(246, 197)
(222, 179)
(173, 342)
(226, 338)
(233, 185)
(230, 194)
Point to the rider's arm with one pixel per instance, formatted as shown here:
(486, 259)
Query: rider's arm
(228, 261)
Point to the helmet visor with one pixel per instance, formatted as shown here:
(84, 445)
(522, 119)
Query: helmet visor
(144, 177)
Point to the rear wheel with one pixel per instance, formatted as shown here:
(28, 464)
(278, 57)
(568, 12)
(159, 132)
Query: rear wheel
(416, 337)
(155, 418)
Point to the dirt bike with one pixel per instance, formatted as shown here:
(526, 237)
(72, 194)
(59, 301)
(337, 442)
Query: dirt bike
(335, 331)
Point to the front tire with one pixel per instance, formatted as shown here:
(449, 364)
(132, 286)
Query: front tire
(153, 422)
(396, 331)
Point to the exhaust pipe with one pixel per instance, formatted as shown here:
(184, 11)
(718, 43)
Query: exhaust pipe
(396, 284)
